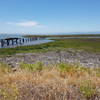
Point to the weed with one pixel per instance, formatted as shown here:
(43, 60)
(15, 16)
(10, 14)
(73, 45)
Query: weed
(32, 67)
(87, 89)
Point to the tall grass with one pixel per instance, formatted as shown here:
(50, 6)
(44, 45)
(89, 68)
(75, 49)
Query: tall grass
(4, 68)
(32, 67)
(56, 82)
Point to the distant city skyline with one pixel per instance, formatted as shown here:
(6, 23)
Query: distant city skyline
(49, 16)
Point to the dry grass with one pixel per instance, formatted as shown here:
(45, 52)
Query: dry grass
(59, 82)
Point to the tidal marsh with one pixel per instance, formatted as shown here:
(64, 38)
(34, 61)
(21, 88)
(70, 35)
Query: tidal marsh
(90, 45)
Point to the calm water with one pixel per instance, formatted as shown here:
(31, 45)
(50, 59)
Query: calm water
(3, 36)
(35, 42)
(89, 37)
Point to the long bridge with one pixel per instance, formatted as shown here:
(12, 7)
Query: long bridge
(17, 41)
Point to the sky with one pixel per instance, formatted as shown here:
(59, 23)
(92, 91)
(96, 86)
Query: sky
(49, 16)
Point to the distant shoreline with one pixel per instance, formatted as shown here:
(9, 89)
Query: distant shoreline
(73, 35)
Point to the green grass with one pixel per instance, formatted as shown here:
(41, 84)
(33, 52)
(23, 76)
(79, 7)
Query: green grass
(32, 67)
(90, 45)
(87, 89)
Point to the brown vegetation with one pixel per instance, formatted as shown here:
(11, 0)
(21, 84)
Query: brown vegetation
(58, 82)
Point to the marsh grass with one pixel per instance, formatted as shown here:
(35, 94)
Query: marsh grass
(90, 45)
(97, 71)
(32, 67)
(10, 92)
(56, 82)
(88, 89)
(4, 68)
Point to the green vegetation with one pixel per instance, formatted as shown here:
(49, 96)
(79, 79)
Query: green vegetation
(77, 35)
(63, 67)
(53, 82)
(90, 45)
(88, 89)
(32, 67)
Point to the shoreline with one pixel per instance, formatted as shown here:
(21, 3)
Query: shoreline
(82, 51)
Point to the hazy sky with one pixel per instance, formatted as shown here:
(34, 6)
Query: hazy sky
(49, 16)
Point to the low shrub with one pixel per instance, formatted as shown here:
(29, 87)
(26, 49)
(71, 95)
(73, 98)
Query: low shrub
(32, 67)
(87, 89)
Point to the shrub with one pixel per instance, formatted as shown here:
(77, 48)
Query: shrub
(32, 67)
(65, 67)
(87, 89)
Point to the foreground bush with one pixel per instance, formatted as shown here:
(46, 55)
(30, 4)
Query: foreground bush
(59, 82)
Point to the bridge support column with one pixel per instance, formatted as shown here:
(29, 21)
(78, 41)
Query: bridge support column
(8, 42)
(2, 43)
(12, 42)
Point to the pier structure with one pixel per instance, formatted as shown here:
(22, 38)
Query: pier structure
(10, 41)
(7, 42)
